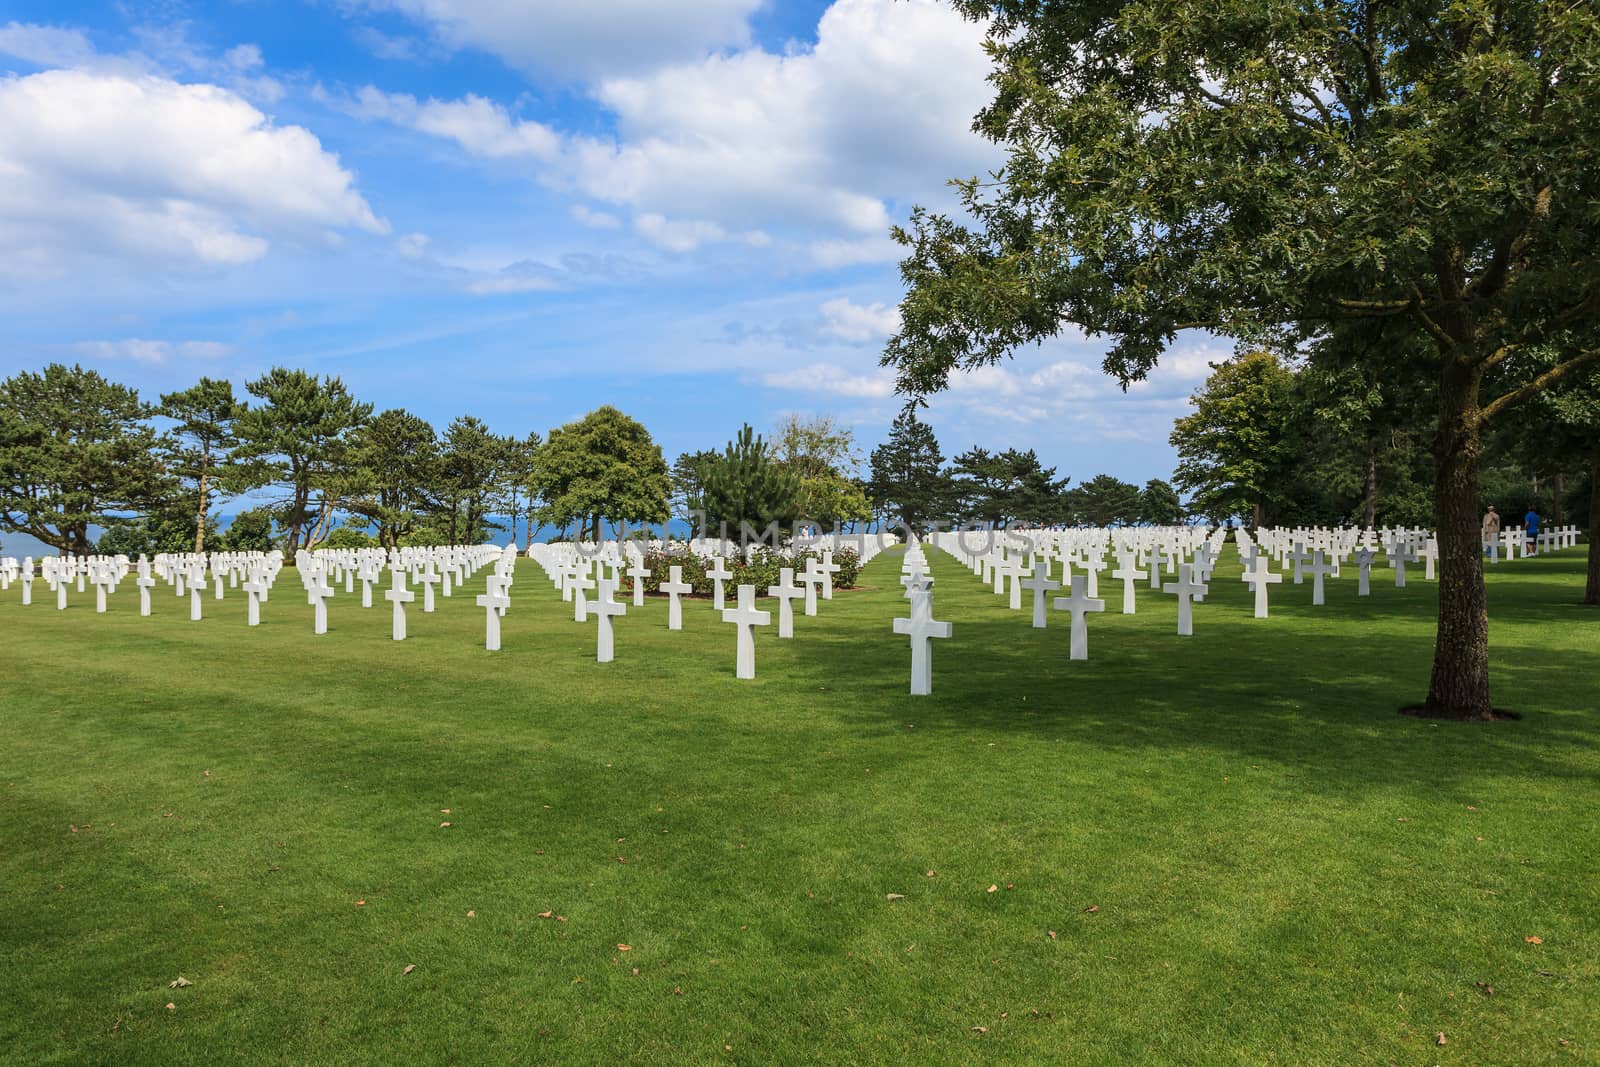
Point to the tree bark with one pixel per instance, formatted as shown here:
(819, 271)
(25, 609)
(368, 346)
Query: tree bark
(1369, 507)
(1592, 593)
(1459, 688)
(200, 514)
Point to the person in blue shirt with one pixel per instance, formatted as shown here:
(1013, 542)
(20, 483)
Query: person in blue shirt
(1530, 529)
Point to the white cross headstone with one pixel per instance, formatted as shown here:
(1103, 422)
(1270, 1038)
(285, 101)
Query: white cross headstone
(428, 578)
(317, 593)
(746, 618)
(144, 582)
(577, 583)
(638, 572)
(921, 628)
(718, 573)
(1079, 603)
(253, 589)
(1318, 569)
(829, 569)
(1128, 571)
(674, 588)
(1185, 589)
(1040, 584)
(1260, 576)
(813, 578)
(603, 609)
(494, 602)
(197, 585)
(786, 592)
(399, 596)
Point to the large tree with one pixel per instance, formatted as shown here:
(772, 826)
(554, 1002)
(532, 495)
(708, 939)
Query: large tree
(74, 448)
(470, 461)
(202, 441)
(908, 480)
(602, 468)
(297, 440)
(822, 453)
(746, 483)
(1267, 168)
(1232, 447)
(396, 455)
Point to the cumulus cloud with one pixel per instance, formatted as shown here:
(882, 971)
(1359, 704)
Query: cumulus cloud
(147, 351)
(46, 46)
(564, 39)
(831, 378)
(148, 168)
(829, 143)
(857, 323)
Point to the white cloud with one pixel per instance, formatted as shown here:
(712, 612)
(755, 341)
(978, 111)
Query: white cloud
(857, 323)
(146, 351)
(595, 220)
(830, 378)
(829, 143)
(584, 39)
(45, 46)
(147, 168)
(412, 245)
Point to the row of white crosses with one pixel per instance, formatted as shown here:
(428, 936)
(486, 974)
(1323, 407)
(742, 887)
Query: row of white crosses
(576, 568)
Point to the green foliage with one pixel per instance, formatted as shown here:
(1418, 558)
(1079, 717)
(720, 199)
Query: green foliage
(74, 450)
(1160, 505)
(347, 536)
(1005, 487)
(397, 458)
(1104, 501)
(471, 462)
(1232, 449)
(822, 453)
(298, 440)
(201, 443)
(250, 531)
(688, 484)
(747, 484)
(908, 481)
(165, 527)
(603, 467)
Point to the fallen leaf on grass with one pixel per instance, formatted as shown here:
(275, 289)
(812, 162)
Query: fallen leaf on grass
(1534, 940)
(933, 874)
(980, 1029)
(1439, 1038)
(624, 948)
(1052, 934)
(896, 896)
(677, 991)
(443, 825)
(171, 1006)
(360, 903)
(993, 889)
(1488, 990)
(444, 811)
(179, 982)
(1091, 909)
(472, 915)
(409, 968)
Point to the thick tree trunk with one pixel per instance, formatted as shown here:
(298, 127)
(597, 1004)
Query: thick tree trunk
(200, 515)
(1369, 507)
(1592, 593)
(1459, 688)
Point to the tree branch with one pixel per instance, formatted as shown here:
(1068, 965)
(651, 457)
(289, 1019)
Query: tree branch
(1539, 384)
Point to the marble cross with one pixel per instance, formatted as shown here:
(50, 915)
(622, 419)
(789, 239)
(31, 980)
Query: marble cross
(1260, 576)
(603, 609)
(1040, 584)
(399, 596)
(786, 592)
(922, 629)
(675, 587)
(718, 573)
(1079, 603)
(1185, 589)
(746, 618)
(494, 602)
(1129, 573)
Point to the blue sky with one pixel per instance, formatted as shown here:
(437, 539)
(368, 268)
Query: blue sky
(519, 211)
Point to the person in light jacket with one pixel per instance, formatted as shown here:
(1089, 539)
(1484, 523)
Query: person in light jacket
(1491, 529)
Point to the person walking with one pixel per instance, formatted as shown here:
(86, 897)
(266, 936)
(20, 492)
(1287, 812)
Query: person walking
(1491, 529)
(1530, 528)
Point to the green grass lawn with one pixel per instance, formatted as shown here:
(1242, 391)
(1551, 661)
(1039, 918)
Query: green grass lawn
(1224, 848)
